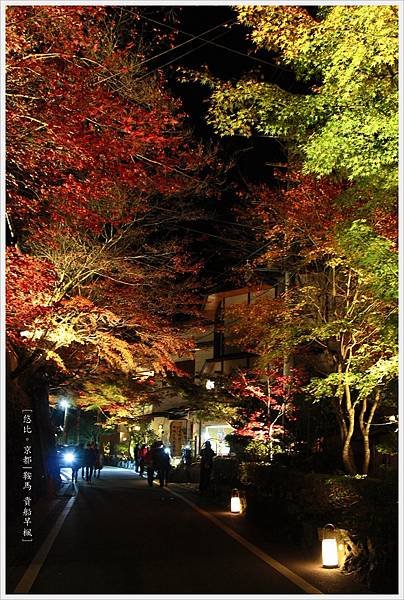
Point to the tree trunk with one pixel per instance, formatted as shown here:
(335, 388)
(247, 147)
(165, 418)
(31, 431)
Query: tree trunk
(345, 413)
(78, 415)
(365, 428)
(46, 437)
(346, 433)
(366, 453)
(347, 455)
(29, 391)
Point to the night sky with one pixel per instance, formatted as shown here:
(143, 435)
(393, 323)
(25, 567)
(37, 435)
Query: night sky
(228, 57)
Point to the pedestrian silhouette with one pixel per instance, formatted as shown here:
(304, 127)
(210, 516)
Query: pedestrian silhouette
(78, 461)
(150, 464)
(89, 460)
(163, 464)
(186, 461)
(142, 454)
(98, 461)
(136, 457)
(207, 455)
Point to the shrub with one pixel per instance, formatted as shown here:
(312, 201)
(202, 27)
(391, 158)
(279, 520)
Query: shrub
(257, 475)
(365, 508)
(225, 470)
(238, 444)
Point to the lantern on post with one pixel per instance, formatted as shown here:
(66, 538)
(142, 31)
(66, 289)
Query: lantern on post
(235, 503)
(329, 547)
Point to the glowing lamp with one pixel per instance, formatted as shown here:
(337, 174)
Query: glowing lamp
(210, 385)
(235, 504)
(69, 457)
(329, 547)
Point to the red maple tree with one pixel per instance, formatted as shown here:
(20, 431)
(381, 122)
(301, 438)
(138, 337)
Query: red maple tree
(265, 395)
(336, 296)
(89, 133)
(100, 164)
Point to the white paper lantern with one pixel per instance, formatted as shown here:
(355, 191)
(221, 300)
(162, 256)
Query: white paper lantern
(329, 547)
(235, 504)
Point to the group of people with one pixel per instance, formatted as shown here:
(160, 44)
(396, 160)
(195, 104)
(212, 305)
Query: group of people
(89, 459)
(153, 459)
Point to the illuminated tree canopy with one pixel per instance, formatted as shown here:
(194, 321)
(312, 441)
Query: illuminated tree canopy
(330, 222)
(347, 122)
(100, 163)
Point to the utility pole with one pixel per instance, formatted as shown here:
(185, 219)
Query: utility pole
(287, 358)
(78, 425)
(200, 437)
(65, 404)
(269, 419)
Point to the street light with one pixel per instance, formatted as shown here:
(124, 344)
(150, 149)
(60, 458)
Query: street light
(64, 404)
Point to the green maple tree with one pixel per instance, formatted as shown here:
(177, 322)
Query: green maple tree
(346, 122)
(339, 314)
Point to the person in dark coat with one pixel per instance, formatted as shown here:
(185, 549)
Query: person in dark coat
(162, 464)
(142, 454)
(98, 461)
(207, 455)
(90, 460)
(186, 460)
(149, 463)
(83, 460)
(78, 461)
(86, 458)
(136, 457)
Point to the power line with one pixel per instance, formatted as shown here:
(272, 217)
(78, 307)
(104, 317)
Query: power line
(207, 219)
(205, 42)
(192, 38)
(254, 58)
(200, 36)
(178, 57)
(195, 37)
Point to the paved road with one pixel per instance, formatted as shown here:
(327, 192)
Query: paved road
(122, 537)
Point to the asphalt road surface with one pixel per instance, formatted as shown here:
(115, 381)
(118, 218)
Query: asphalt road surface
(122, 537)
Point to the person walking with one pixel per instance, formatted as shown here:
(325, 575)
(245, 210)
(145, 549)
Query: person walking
(90, 457)
(206, 455)
(98, 461)
(149, 463)
(84, 460)
(163, 464)
(186, 461)
(142, 454)
(78, 461)
(136, 457)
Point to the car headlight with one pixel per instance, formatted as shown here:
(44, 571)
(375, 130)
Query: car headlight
(69, 457)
